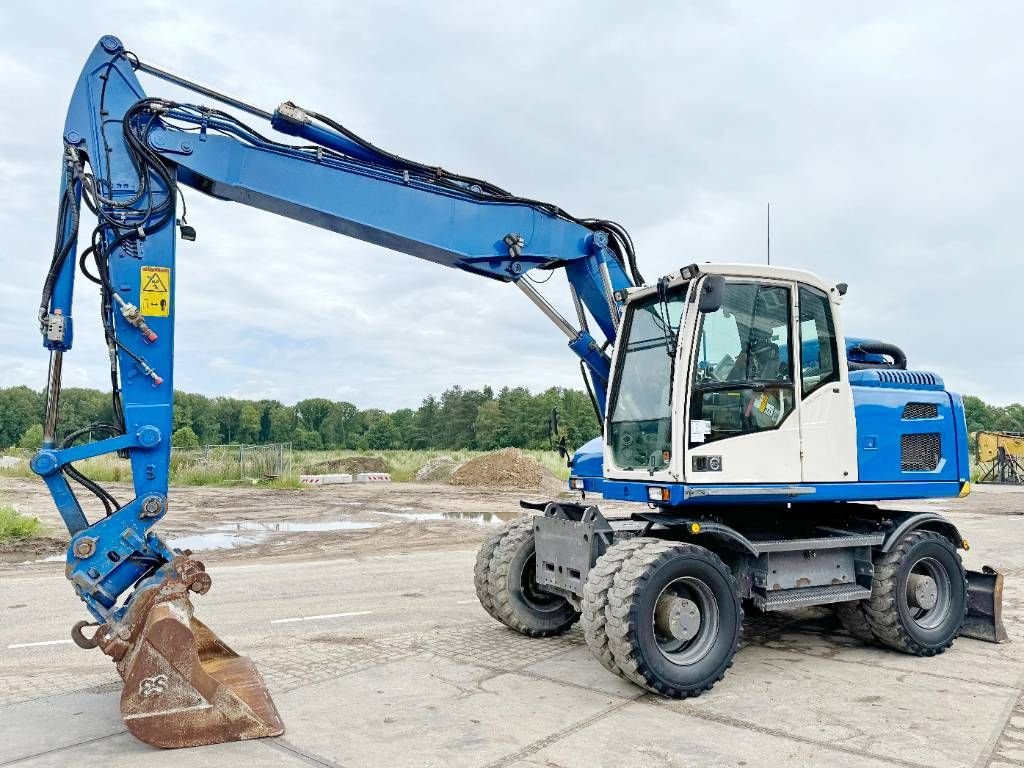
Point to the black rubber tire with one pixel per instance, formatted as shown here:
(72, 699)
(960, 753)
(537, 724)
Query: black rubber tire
(482, 569)
(886, 610)
(595, 599)
(511, 589)
(851, 615)
(631, 600)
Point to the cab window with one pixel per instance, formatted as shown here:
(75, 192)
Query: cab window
(743, 377)
(818, 358)
(640, 421)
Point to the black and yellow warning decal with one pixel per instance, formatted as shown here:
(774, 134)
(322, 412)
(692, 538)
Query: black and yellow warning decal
(155, 291)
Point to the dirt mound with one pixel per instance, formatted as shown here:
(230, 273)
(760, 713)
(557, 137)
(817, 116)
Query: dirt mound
(507, 468)
(352, 465)
(437, 470)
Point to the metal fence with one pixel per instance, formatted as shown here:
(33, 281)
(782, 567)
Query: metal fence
(235, 461)
(265, 462)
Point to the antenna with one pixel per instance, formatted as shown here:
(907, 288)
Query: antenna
(769, 234)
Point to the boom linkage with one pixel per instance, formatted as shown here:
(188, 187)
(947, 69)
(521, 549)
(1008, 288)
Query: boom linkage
(126, 154)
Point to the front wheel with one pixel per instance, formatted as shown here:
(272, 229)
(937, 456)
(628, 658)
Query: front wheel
(673, 618)
(509, 589)
(919, 595)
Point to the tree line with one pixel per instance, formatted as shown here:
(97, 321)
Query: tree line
(475, 419)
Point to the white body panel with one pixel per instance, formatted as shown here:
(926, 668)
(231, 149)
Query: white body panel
(829, 434)
(816, 442)
(760, 457)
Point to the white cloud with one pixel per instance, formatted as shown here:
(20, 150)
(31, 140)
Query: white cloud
(886, 140)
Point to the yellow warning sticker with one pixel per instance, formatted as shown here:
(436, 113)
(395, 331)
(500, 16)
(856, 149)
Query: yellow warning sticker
(155, 291)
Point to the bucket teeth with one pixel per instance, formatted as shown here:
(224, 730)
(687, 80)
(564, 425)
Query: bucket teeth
(183, 686)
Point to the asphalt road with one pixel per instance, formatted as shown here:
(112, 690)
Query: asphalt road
(388, 661)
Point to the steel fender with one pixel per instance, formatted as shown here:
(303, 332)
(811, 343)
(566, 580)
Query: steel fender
(714, 530)
(931, 521)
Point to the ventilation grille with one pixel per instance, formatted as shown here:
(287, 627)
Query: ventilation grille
(921, 411)
(920, 452)
(921, 378)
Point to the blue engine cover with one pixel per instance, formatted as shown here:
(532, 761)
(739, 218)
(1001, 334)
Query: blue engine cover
(909, 428)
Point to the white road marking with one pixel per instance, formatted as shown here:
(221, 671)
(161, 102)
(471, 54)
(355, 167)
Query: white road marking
(467, 602)
(33, 645)
(321, 616)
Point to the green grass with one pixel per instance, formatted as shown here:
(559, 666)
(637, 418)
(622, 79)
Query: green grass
(17, 527)
(220, 466)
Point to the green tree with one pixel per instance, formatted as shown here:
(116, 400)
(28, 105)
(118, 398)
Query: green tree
(313, 411)
(383, 434)
(306, 440)
(32, 439)
(487, 427)
(424, 428)
(20, 408)
(184, 437)
(282, 425)
(248, 424)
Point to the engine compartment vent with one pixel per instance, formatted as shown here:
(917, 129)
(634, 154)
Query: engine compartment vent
(920, 452)
(921, 411)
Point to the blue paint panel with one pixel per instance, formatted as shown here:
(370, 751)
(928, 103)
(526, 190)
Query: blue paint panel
(879, 410)
(769, 493)
(588, 465)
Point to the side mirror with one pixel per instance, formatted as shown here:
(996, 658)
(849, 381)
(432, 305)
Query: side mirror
(712, 291)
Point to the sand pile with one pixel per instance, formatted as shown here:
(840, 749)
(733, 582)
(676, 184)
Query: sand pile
(507, 468)
(352, 465)
(437, 470)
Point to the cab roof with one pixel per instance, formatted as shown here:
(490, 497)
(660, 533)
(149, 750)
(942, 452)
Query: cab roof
(764, 271)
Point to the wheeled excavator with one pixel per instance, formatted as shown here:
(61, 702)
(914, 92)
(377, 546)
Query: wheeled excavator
(754, 439)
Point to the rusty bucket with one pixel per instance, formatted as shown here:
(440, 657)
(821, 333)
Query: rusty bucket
(183, 686)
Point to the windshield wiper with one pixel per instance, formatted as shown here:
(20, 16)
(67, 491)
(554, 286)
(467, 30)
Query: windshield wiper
(757, 385)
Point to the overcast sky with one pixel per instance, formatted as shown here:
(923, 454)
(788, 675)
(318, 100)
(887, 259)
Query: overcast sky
(887, 140)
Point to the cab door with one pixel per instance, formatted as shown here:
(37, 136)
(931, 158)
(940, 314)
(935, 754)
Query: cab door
(742, 425)
(827, 423)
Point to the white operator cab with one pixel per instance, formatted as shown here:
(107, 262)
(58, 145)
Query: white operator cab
(754, 389)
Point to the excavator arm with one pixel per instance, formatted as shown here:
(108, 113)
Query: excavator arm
(127, 156)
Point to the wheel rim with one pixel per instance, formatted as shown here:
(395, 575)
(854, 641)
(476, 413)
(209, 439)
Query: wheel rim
(928, 593)
(685, 620)
(532, 595)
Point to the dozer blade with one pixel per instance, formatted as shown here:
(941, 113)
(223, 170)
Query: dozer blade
(985, 606)
(183, 686)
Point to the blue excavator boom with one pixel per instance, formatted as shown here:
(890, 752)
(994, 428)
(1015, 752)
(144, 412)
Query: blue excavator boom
(127, 156)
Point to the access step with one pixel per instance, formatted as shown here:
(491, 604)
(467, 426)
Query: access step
(784, 599)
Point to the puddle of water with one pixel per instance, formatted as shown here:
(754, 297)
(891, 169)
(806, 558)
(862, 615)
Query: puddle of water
(243, 534)
(51, 559)
(479, 518)
(204, 542)
(288, 526)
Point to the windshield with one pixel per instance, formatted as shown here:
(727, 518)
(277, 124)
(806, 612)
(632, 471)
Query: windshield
(640, 433)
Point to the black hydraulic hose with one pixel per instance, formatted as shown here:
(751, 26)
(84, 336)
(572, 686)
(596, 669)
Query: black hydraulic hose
(899, 357)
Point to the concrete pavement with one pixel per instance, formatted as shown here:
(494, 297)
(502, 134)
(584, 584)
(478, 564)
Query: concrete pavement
(389, 661)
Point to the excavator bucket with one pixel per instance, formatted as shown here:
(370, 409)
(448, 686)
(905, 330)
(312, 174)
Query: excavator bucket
(183, 687)
(985, 606)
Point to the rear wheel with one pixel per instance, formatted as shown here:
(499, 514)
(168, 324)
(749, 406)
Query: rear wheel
(919, 595)
(482, 570)
(673, 618)
(515, 598)
(851, 615)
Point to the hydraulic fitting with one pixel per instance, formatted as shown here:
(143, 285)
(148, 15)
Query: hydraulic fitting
(134, 317)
